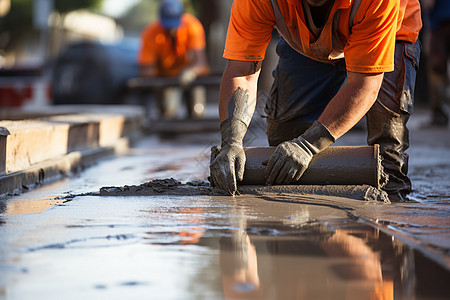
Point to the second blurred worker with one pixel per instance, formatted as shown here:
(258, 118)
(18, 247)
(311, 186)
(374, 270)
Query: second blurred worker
(174, 46)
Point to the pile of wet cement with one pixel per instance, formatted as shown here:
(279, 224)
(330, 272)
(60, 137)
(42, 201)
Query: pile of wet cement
(173, 187)
(167, 186)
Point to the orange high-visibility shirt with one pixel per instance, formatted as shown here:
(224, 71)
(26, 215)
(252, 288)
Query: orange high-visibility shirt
(368, 48)
(157, 47)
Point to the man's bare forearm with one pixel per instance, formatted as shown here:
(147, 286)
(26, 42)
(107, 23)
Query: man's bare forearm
(147, 70)
(351, 103)
(199, 63)
(238, 90)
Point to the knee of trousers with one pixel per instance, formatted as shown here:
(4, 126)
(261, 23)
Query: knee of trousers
(388, 129)
(278, 132)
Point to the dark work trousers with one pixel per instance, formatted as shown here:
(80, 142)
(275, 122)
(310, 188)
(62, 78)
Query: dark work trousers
(303, 87)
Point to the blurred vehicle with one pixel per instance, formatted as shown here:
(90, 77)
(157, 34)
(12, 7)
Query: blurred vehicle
(89, 72)
(24, 85)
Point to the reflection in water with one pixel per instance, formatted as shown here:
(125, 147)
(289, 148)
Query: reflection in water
(314, 262)
(41, 201)
(195, 248)
(300, 258)
(30, 206)
(239, 267)
(318, 261)
(190, 219)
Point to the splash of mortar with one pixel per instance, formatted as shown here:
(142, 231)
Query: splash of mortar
(383, 177)
(173, 187)
(167, 186)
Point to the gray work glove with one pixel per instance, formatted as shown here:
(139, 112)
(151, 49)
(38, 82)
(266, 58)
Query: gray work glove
(230, 163)
(291, 158)
(187, 76)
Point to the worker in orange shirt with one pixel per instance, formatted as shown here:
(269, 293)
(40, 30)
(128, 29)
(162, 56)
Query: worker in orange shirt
(338, 61)
(174, 46)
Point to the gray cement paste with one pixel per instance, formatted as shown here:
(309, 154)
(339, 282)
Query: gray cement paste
(170, 186)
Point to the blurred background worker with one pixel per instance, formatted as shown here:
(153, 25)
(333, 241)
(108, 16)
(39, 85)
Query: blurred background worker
(174, 46)
(437, 17)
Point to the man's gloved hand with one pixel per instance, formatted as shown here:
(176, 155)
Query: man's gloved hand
(291, 158)
(228, 167)
(187, 76)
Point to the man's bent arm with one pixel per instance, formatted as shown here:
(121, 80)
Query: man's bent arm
(147, 70)
(236, 106)
(351, 103)
(199, 63)
(238, 90)
(291, 158)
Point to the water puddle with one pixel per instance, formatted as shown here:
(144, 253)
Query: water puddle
(203, 246)
(208, 247)
(336, 261)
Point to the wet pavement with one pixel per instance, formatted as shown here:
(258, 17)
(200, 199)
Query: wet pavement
(61, 241)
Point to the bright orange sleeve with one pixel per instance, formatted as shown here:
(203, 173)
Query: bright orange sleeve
(147, 51)
(196, 40)
(411, 21)
(371, 45)
(249, 30)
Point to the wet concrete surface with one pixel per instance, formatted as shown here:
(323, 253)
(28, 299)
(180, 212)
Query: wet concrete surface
(64, 241)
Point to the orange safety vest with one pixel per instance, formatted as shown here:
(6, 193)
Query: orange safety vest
(328, 47)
